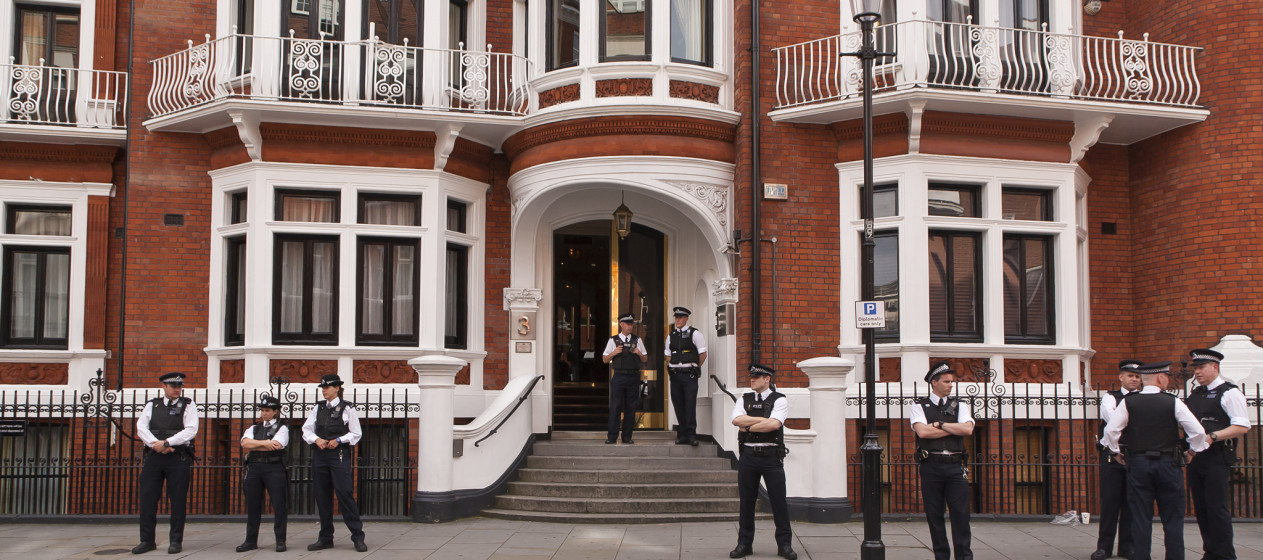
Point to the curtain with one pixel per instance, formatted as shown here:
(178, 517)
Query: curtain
(402, 320)
(292, 286)
(41, 222)
(455, 290)
(296, 208)
(390, 212)
(323, 263)
(371, 297)
(25, 272)
(57, 296)
(688, 30)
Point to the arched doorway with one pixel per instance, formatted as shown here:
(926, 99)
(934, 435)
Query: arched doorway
(598, 276)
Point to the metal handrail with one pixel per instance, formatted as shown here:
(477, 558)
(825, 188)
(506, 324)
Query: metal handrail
(723, 388)
(525, 394)
(39, 94)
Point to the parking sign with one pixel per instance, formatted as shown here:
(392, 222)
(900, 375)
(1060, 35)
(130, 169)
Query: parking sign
(870, 314)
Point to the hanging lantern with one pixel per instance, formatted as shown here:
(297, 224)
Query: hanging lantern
(622, 220)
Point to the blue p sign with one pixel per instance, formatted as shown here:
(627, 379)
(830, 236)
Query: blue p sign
(870, 308)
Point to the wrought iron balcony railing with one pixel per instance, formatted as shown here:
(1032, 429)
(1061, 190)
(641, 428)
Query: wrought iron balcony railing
(371, 73)
(48, 95)
(963, 56)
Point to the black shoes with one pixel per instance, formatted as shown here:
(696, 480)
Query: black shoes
(280, 546)
(693, 442)
(741, 551)
(680, 441)
(787, 553)
(1100, 555)
(319, 545)
(360, 546)
(247, 546)
(143, 547)
(610, 441)
(628, 442)
(174, 548)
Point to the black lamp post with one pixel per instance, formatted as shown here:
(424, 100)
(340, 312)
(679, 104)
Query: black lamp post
(867, 14)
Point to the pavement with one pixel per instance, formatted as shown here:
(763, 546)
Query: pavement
(483, 539)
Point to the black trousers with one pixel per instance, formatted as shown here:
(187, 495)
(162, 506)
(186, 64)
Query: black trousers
(330, 474)
(1208, 474)
(1159, 479)
(944, 487)
(270, 477)
(624, 398)
(749, 470)
(173, 468)
(684, 401)
(1115, 515)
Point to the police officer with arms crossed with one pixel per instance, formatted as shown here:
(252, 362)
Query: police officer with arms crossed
(167, 427)
(686, 352)
(759, 417)
(333, 428)
(625, 353)
(1115, 515)
(264, 444)
(941, 423)
(1150, 421)
(1220, 407)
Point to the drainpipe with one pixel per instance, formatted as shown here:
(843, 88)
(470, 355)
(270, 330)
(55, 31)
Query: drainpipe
(127, 190)
(756, 184)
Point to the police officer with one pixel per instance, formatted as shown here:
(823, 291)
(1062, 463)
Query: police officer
(264, 444)
(941, 423)
(625, 353)
(1150, 421)
(333, 429)
(1115, 515)
(167, 427)
(1220, 407)
(686, 352)
(759, 416)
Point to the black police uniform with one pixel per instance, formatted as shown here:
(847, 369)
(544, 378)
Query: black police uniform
(1153, 472)
(624, 388)
(165, 420)
(331, 473)
(1115, 515)
(944, 483)
(265, 470)
(1208, 474)
(684, 382)
(766, 462)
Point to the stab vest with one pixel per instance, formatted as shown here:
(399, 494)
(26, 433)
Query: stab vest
(1208, 407)
(1100, 432)
(166, 421)
(683, 351)
(261, 433)
(947, 413)
(329, 424)
(761, 410)
(1151, 423)
(627, 361)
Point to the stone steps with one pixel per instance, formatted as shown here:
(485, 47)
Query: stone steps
(623, 491)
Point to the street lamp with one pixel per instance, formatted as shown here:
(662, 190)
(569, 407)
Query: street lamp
(622, 220)
(867, 14)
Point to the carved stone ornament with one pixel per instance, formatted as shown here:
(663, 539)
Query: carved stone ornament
(522, 298)
(695, 91)
(724, 290)
(383, 371)
(34, 374)
(302, 371)
(232, 371)
(714, 197)
(557, 95)
(624, 87)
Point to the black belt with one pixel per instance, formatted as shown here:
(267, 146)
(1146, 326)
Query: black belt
(1152, 454)
(263, 461)
(627, 372)
(762, 450)
(945, 458)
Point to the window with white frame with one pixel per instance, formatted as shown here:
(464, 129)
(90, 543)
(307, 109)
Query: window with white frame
(35, 306)
(456, 297)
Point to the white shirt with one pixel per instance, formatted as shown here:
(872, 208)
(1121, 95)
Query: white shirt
(609, 345)
(183, 437)
(1109, 405)
(699, 340)
(349, 417)
(917, 416)
(780, 411)
(282, 435)
(1196, 435)
(1233, 403)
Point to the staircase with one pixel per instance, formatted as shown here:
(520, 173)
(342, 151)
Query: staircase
(581, 406)
(577, 478)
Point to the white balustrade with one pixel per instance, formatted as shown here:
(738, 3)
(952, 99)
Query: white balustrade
(342, 72)
(63, 96)
(992, 59)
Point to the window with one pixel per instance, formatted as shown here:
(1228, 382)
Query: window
(313, 19)
(388, 281)
(239, 212)
(39, 220)
(954, 200)
(1030, 15)
(300, 7)
(456, 213)
(625, 30)
(563, 33)
(306, 206)
(886, 282)
(457, 297)
(1025, 204)
(885, 200)
(394, 21)
(36, 298)
(305, 295)
(1028, 291)
(235, 292)
(953, 11)
(390, 210)
(50, 34)
(691, 31)
(955, 286)
(457, 19)
(244, 22)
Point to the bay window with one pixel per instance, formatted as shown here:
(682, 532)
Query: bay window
(305, 295)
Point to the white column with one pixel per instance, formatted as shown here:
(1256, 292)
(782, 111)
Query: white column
(436, 376)
(828, 380)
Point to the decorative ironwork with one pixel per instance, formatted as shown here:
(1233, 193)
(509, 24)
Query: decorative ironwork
(1136, 67)
(388, 72)
(305, 56)
(475, 66)
(27, 84)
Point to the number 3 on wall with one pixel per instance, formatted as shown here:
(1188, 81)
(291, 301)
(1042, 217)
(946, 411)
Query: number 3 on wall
(524, 326)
